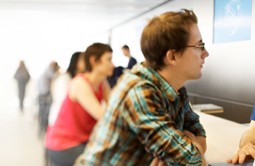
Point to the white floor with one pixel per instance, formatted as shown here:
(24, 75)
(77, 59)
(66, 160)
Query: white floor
(19, 143)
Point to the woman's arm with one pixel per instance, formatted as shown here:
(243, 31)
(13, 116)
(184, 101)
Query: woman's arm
(246, 146)
(249, 135)
(82, 92)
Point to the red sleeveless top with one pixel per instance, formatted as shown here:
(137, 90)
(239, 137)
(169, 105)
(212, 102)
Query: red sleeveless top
(73, 124)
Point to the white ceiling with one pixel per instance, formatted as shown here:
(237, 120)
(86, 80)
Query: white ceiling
(98, 15)
(41, 30)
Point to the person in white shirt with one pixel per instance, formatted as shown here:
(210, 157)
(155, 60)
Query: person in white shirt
(45, 95)
(61, 84)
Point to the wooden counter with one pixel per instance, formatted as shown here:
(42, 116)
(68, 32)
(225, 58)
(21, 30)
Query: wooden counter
(208, 108)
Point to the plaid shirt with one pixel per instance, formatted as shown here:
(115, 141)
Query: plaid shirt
(145, 119)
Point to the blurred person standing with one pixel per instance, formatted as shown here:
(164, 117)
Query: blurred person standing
(132, 61)
(81, 108)
(61, 84)
(118, 71)
(22, 77)
(45, 95)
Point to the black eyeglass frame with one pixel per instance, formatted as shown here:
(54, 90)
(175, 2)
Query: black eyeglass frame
(200, 45)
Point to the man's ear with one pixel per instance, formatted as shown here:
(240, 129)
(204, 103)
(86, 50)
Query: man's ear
(170, 57)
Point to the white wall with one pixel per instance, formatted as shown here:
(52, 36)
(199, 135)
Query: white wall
(130, 32)
(40, 36)
(229, 72)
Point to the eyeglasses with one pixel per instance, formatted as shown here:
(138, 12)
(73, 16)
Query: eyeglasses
(199, 45)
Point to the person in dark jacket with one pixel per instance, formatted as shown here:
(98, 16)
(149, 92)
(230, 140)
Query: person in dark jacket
(132, 61)
(117, 72)
(22, 77)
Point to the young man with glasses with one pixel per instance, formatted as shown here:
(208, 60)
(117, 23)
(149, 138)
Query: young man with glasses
(149, 116)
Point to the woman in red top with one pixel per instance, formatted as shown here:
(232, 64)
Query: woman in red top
(81, 108)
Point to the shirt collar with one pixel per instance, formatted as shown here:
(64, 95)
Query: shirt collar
(154, 77)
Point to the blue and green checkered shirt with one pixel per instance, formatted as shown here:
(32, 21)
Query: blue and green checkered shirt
(145, 119)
